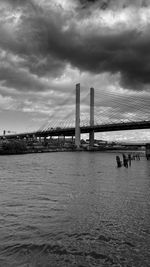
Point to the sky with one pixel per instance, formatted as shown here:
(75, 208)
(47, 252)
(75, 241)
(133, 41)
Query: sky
(47, 47)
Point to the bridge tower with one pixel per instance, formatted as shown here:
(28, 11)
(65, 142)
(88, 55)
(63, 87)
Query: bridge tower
(77, 125)
(91, 134)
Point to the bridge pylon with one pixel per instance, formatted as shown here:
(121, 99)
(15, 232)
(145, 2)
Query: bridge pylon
(91, 134)
(77, 125)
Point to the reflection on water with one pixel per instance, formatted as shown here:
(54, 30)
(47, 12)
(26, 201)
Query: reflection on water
(74, 209)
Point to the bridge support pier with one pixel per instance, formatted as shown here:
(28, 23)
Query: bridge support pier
(77, 125)
(91, 134)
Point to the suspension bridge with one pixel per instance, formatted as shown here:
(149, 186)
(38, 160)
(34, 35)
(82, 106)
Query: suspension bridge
(98, 111)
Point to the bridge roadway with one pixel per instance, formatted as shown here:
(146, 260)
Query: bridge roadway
(84, 129)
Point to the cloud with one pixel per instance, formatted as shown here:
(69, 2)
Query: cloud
(47, 39)
(46, 47)
(20, 79)
(114, 4)
(6, 102)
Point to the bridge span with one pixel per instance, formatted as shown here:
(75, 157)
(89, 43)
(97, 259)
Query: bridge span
(84, 129)
(78, 129)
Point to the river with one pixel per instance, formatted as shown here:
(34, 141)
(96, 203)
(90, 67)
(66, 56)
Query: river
(68, 209)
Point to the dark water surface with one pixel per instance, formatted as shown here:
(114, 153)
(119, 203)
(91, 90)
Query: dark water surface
(73, 209)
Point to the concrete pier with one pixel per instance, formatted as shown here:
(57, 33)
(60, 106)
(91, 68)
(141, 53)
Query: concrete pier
(77, 122)
(91, 134)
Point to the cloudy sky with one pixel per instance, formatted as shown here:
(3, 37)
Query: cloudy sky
(46, 47)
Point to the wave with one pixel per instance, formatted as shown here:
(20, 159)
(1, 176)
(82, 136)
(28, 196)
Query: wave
(55, 249)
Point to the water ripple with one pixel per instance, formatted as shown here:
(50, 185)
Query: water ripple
(73, 210)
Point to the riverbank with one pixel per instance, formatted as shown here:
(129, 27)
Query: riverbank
(15, 147)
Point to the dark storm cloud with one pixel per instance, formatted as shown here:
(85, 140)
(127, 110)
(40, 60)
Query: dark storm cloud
(101, 3)
(104, 4)
(124, 52)
(49, 39)
(20, 79)
(17, 3)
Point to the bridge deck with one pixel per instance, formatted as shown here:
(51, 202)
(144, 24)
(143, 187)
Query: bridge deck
(84, 129)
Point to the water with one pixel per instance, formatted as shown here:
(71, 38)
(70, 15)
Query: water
(73, 209)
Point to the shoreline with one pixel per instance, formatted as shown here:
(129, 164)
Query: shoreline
(141, 152)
